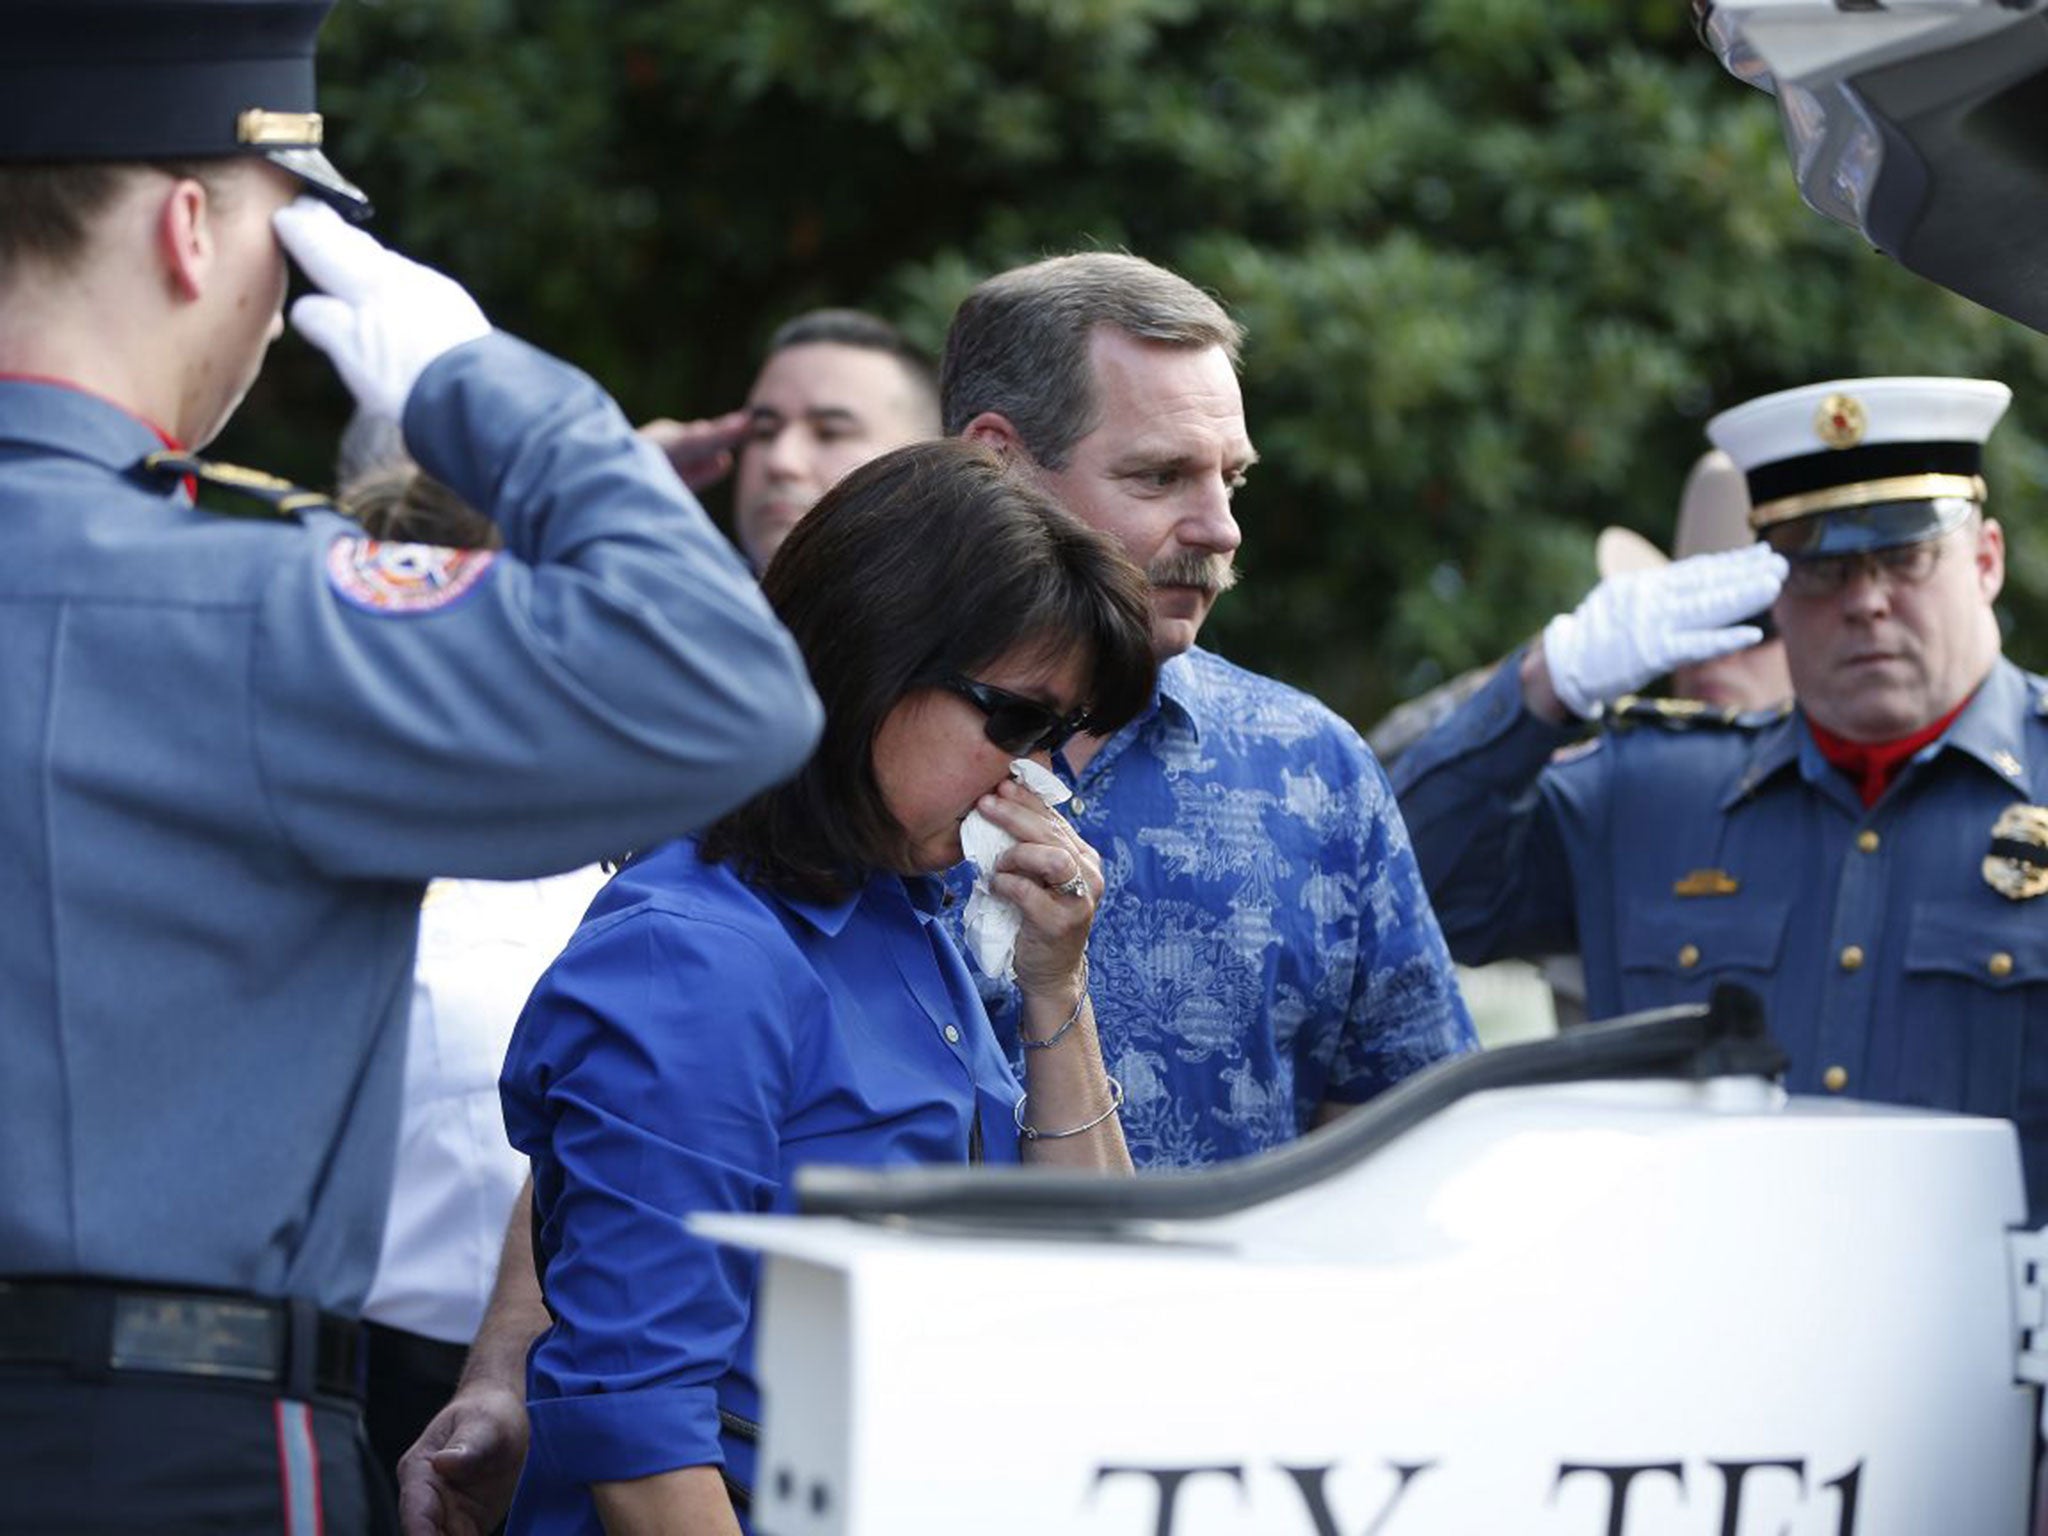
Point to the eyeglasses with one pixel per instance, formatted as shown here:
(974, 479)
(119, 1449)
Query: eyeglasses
(1903, 565)
(1018, 725)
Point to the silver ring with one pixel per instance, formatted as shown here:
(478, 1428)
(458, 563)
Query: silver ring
(1074, 887)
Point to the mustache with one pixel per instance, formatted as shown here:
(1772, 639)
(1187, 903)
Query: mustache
(1211, 573)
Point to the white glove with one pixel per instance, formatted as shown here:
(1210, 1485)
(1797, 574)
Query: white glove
(382, 319)
(1634, 628)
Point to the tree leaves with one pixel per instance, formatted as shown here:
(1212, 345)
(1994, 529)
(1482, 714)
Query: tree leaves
(1499, 258)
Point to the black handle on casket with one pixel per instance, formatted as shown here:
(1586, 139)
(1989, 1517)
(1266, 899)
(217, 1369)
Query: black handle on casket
(1725, 1037)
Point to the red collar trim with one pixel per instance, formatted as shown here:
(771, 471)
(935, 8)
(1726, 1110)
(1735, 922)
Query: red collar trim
(1872, 765)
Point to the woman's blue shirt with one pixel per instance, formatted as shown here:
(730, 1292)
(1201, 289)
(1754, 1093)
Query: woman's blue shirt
(699, 1040)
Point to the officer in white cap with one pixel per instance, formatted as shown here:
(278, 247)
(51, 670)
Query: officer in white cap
(237, 747)
(1870, 861)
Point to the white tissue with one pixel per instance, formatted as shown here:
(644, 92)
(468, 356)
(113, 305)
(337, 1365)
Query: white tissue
(991, 922)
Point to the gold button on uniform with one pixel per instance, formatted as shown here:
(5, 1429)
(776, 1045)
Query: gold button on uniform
(1835, 1079)
(1867, 840)
(1852, 957)
(1999, 964)
(1688, 957)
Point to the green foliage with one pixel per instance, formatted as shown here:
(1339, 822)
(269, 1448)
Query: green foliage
(1500, 259)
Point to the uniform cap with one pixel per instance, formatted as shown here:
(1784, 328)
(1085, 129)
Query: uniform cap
(115, 80)
(1713, 516)
(1858, 464)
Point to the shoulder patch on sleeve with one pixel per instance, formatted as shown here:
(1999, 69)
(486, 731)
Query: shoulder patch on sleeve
(381, 577)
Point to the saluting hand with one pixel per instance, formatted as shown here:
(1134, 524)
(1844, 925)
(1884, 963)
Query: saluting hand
(1632, 629)
(700, 452)
(381, 318)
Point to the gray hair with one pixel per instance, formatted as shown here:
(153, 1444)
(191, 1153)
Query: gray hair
(1018, 345)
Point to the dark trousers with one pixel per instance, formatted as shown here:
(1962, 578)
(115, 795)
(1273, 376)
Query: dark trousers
(171, 1454)
(409, 1379)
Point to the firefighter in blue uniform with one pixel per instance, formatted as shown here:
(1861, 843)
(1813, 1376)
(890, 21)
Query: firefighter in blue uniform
(1874, 860)
(235, 748)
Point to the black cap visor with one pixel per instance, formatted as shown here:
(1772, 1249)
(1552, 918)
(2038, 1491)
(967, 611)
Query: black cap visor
(1850, 530)
(321, 178)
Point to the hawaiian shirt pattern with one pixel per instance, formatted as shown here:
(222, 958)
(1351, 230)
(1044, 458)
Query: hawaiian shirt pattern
(1264, 944)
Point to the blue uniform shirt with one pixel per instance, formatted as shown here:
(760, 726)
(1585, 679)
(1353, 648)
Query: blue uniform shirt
(235, 749)
(1264, 944)
(1676, 854)
(698, 1041)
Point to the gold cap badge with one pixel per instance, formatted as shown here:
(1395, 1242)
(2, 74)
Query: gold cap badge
(256, 126)
(1840, 422)
(2017, 865)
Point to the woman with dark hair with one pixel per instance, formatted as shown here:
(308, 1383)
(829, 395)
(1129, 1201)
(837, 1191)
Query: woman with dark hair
(777, 991)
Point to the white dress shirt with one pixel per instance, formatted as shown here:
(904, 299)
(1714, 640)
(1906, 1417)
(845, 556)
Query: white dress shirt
(483, 944)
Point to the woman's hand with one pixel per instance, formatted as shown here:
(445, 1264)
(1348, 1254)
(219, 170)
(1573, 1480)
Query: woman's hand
(1055, 881)
(1068, 1115)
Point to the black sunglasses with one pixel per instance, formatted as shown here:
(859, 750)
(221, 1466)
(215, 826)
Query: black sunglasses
(1018, 725)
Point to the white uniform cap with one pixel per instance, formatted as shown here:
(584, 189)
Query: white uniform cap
(1862, 463)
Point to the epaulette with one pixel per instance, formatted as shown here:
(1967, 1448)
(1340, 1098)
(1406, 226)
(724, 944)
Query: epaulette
(277, 497)
(1632, 711)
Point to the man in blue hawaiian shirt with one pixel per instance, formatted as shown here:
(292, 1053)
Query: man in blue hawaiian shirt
(1265, 957)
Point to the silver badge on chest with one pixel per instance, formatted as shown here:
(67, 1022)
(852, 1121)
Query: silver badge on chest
(2017, 865)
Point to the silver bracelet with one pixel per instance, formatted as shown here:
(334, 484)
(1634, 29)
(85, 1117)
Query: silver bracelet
(1031, 1132)
(1072, 1019)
